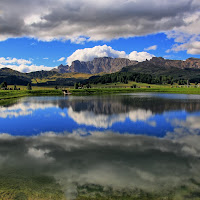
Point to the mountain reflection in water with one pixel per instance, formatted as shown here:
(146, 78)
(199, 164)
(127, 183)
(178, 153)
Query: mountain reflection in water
(79, 141)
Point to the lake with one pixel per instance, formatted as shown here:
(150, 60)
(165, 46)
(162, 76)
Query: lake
(123, 146)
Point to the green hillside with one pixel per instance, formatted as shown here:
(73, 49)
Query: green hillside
(148, 68)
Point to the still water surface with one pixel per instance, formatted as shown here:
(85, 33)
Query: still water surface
(148, 142)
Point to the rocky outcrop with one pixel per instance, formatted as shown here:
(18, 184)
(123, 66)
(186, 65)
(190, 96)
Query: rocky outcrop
(98, 65)
(193, 63)
(62, 69)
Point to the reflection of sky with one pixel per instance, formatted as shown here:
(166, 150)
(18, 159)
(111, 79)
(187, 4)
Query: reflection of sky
(33, 117)
(75, 144)
(106, 158)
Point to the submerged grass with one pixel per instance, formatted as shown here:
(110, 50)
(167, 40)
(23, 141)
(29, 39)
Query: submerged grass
(21, 185)
(16, 185)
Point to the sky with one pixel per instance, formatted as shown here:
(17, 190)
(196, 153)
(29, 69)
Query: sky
(42, 34)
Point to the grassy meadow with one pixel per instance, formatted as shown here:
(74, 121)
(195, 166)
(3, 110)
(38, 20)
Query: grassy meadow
(36, 91)
(140, 87)
(74, 75)
(98, 89)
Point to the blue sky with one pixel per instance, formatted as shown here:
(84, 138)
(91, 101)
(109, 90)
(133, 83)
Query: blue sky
(46, 32)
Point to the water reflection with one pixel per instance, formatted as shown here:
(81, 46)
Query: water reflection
(148, 114)
(105, 121)
(22, 109)
(106, 158)
(133, 143)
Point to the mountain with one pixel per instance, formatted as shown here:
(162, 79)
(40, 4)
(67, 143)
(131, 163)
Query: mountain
(111, 65)
(42, 74)
(41, 78)
(98, 65)
(189, 69)
(65, 75)
(193, 63)
(62, 69)
(13, 77)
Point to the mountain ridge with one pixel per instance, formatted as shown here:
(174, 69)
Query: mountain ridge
(97, 65)
(111, 65)
(157, 66)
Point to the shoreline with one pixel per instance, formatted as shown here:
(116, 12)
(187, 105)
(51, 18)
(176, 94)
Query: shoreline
(12, 94)
(97, 91)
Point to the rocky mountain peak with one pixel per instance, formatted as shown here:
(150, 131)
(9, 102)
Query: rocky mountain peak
(97, 65)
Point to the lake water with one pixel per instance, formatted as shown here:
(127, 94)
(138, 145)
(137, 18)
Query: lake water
(134, 143)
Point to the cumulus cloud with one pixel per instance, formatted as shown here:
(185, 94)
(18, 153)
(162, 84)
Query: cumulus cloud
(21, 65)
(89, 54)
(140, 56)
(9, 60)
(192, 47)
(154, 47)
(187, 36)
(108, 19)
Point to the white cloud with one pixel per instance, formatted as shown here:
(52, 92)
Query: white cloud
(187, 36)
(80, 20)
(89, 54)
(140, 56)
(154, 47)
(21, 65)
(46, 58)
(9, 60)
(78, 40)
(61, 59)
(192, 47)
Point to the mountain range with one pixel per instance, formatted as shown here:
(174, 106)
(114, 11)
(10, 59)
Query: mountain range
(111, 65)
(98, 65)
(65, 75)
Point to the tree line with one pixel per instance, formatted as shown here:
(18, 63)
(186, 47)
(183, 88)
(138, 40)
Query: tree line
(4, 86)
(124, 77)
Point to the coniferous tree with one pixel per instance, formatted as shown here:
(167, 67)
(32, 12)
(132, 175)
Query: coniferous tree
(76, 86)
(29, 87)
(3, 85)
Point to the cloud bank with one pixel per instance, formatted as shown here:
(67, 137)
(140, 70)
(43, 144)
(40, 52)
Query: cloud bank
(108, 19)
(21, 65)
(187, 37)
(88, 54)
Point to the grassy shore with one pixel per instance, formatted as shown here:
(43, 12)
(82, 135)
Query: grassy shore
(6, 95)
(10, 94)
(134, 90)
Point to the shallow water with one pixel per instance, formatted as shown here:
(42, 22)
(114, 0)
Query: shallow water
(146, 142)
